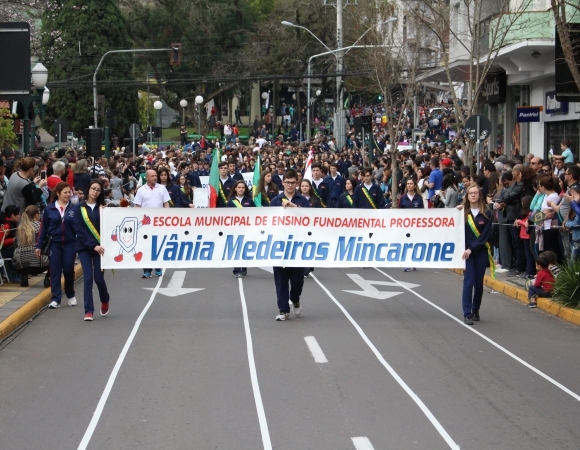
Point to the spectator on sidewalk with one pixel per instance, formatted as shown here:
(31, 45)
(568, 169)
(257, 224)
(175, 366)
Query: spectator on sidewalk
(549, 235)
(21, 190)
(544, 284)
(81, 177)
(8, 227)
(25, 260)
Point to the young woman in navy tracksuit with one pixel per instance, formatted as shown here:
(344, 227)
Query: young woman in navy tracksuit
(58, 222)
(345, 200)
(410, 200)
(307, 191)
(88, 227)
(165, 180)
(185, 193)
(476, 255)
(240, 197)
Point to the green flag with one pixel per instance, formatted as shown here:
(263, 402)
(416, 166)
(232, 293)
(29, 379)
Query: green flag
(257, 195)
(214, 173)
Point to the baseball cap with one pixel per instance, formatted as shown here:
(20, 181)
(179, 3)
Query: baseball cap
(447, 162)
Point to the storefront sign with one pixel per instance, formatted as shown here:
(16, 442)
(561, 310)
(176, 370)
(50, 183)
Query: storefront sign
(553, 106)
(529, 114)
(494, 88)
(292, 237)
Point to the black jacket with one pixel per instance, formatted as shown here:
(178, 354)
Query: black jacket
(513, 201)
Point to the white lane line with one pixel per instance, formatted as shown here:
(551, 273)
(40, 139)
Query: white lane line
(315, 350)
(362, 443)
(103, 400)
(491, 341)
(394, 374)
(253, 374)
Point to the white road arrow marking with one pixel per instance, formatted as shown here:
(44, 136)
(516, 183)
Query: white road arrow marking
(369, 290)
(174, 287)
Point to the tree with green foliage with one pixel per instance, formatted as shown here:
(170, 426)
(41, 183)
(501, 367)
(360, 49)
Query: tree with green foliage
(212, 35)
(7, 136)
(75, 35)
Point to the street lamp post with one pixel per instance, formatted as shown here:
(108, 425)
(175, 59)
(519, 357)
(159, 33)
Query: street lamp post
(41, 95)
(199, 101)
(183, 104)
(158, 105)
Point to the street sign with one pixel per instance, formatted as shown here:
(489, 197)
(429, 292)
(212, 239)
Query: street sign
(472, 126)
(134, 130)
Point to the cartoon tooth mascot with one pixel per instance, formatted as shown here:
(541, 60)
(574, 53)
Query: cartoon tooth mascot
(126, 235)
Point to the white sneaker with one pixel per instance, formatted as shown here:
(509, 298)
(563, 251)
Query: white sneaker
(501, 270)
(297, 308)
(282, 316)
(54, 305)
(72, 301)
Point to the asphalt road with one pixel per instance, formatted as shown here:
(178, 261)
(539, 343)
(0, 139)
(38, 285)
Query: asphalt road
(388, 367)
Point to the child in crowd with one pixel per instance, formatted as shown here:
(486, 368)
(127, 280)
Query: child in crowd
(544, 283)
(523, 223)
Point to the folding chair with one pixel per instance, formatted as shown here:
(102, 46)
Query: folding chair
(3, 263)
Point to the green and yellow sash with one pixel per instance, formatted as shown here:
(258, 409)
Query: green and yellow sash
(236, 202)
(90, 225)
(188, 196)
(476, 232)
(368, 196)
(318, 196)
(222, 193)
(349, 199)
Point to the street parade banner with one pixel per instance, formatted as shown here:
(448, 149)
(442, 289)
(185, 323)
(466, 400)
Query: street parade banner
(292, 237)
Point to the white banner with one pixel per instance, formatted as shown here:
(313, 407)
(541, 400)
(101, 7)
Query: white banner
(292, 237)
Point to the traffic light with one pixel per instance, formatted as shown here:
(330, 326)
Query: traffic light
(175, 58)
(380, 97)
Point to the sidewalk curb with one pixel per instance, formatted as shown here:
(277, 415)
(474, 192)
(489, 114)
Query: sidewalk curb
(556, 309)
(21, 315)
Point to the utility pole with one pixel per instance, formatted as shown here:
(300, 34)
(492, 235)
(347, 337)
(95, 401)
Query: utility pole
(339, 116)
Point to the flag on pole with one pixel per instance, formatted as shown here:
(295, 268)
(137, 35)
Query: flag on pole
(257, 195)
(214, 174)
(308, 168)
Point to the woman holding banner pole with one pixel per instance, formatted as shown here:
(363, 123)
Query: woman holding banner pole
(477, 252)
(87, 226)
(240, 197)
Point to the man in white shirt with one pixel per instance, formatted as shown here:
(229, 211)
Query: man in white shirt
(228, 133)
(152, 195)
(261, 141)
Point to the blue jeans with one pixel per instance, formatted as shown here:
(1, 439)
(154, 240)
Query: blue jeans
(530, 261)
(289, 282)
(62, 262)
(473, 281)
(91, 263)
(534, 291)
(518, 246)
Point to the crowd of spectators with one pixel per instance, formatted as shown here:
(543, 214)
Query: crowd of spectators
(534, 202)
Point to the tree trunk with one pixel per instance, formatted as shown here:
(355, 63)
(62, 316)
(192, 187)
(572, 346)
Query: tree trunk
(394, 170)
